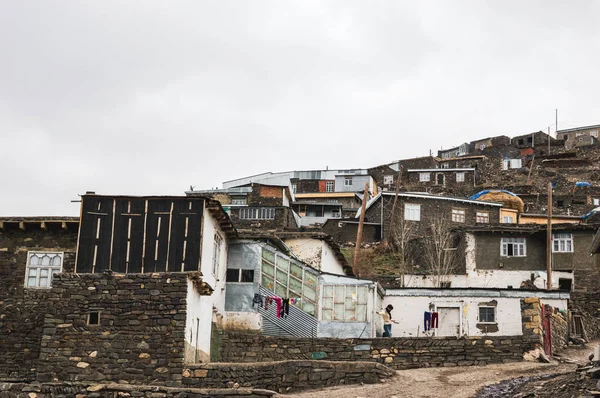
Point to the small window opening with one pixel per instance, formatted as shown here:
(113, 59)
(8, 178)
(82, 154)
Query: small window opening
(565, 284)
(445, 285)
(247, 275)
(94, 318)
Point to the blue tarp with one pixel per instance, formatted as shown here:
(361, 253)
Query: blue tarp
(478, 194)
(582, 184)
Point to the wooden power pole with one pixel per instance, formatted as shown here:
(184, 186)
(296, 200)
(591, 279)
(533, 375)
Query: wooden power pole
(549, 240)
(363, 209)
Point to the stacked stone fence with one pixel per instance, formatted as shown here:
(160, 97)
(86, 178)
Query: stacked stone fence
(52, 390)
(397, 353)
(559, 327)
(284, 376)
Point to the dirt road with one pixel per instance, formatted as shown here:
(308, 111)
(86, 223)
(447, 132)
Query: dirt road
(456, 382)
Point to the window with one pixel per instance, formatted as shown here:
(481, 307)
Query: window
(487, 314)
(458, 215)
(216, 253)
(41, 267)
(481, 147)
(508, 220)
(482, 217)
(240, 275)
(239, 201)
(596, 202)
(460, 177)
(515, 163)
(579, 134)
(512, 247)
(348, 181)
(93, 318)
(329, 186)
(594, 133)
(562, 243)
(257, 213)
(446, 284)
(565, 284)
(445, 165)
(346, 303)
(412, 212)
(388, 180)
(294, 187)
(288, 278)
(424, 177)
(566, 137)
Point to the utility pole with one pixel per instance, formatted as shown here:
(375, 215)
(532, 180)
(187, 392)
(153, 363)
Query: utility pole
(549, 241)
(556, 121)
(363, 209)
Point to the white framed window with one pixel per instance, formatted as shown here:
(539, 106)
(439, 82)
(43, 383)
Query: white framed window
(460, 177)
(216, 253)
(239, 275)
(412, 212)
(388, 180)
(257, 213)
(445, 165)
(594, 133)
(239, 201)
(508, 220)
(515, 163)
(482, 217)
(345, 303)
(348, 181)
(513, 247)
(330, 186)
(596, 201)
(487, 314)
(562, 243)
(481, 147)
(458, 215)
(424, 177)
(41, 267)
(579, 134)
(294, 187)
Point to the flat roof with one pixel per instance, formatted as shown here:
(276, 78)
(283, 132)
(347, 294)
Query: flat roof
(440, 170)
(594, 126)
(325, 195)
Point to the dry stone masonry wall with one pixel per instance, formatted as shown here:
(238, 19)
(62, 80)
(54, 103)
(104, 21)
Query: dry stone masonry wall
(139, 338)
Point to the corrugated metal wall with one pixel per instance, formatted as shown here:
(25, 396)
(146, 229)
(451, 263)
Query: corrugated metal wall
(298, 323)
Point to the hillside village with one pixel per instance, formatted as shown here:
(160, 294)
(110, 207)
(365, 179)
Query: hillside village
(486, 251)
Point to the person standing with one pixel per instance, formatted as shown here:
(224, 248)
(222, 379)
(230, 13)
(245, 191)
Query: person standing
(386, 314)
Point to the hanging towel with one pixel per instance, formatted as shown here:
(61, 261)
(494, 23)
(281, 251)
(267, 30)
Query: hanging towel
(285, 308)
(268, 301)
(434, 320)
(427, 321)
(278, 302)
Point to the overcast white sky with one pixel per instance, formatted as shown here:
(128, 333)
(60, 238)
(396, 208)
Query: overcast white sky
(150, 97)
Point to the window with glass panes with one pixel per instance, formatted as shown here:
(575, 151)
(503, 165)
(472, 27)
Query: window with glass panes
(345, 303)
(562, 243)
(41, 266)
(288, 279)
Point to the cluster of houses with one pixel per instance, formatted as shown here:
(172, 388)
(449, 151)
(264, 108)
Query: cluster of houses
(264, 253)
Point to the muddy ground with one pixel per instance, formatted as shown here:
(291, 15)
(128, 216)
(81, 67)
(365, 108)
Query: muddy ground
(466, 382)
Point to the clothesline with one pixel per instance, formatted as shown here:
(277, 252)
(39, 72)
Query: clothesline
(282, 304)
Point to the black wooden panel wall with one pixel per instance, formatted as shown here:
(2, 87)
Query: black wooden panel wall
(149, 234)
(95, 235)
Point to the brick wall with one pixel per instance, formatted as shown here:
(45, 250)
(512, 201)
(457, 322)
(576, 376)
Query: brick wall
(140, 337)
(22, 309)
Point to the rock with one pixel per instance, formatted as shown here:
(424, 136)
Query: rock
(388, 360)
(93, 354)
(95, 387)
(82, 365)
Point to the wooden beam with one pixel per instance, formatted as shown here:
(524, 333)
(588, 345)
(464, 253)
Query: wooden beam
(2, 225)
(22, 225)
(43, 226)
(63, 225)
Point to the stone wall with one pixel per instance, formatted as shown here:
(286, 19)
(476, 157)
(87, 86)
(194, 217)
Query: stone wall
(397, 353)
(587, 304)
(286, 376)
(559, 331)
(139, 338)
(22, 309)
(51, 390)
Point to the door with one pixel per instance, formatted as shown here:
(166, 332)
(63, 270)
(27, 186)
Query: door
(448, 321)
(440, 179)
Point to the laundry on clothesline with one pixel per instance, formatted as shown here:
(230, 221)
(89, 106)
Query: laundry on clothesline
(258, 300)
(430, 320)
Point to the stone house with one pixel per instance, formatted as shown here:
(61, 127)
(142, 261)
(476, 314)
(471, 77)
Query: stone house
(420, 209)
(385, 176)
(32, 250)
(149, 276)
(532, 140)
(316, 208)
(483, 143)
(441, 179)
(256, 205)
(462, 149)
(579, 136)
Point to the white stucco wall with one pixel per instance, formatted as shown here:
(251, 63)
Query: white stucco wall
(198, 325)
(488, 279)
(241, 320)
(316, 253)
(215, 280)
(411, 304)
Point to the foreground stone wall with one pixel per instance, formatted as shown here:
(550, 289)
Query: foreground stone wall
(140, 338)
(285, 376)
(397, 353)
(51, 390)
(559, 331)
(22, 309)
